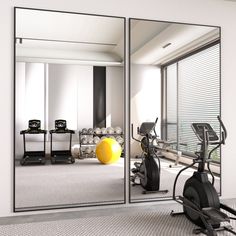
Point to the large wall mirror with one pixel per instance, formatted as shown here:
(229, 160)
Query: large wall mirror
(69, 94)
(175, 81)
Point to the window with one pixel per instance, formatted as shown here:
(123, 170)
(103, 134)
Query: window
(192, 88)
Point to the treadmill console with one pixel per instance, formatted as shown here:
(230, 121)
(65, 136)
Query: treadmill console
(61, 128)
(34, 125)
(198, 130)
(60, 124)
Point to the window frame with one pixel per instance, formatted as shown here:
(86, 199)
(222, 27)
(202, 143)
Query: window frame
(164, 66)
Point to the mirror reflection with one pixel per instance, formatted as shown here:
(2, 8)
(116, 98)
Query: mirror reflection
(69, 86)
(175, 81)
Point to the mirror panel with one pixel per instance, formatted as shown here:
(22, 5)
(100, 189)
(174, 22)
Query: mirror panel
(69, 68)
(175, 77)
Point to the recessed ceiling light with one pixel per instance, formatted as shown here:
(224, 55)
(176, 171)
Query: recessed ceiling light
(166, 45)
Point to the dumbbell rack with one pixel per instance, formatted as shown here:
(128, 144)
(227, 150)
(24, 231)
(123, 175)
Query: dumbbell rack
(81, 134)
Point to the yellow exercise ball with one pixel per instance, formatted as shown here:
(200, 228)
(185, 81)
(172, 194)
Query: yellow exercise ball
(108, 151)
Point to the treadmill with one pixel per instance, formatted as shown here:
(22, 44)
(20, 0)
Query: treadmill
(34, 157)
(61, 156)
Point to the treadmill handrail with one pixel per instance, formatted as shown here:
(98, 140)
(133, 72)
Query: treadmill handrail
(33, 131)
(61, 131)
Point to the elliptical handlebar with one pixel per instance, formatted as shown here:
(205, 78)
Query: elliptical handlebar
(132, 134)
(156, 121)
(224, 132)
(155, 127)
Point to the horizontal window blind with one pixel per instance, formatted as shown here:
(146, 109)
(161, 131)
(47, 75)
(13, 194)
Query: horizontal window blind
(193, 95)
(198, 93)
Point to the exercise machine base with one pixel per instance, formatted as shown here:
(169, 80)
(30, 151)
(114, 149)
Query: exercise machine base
(33, 157)
(62, 157)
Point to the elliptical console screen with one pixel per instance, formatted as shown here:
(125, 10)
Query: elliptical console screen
(198, 128)
(146, 128)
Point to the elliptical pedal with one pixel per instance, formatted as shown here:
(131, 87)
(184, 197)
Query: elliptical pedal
(227, 228)
(215, 215)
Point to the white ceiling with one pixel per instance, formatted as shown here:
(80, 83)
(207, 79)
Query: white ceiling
(49, 31)
(149, 37)
(79, 37)
(143, 31)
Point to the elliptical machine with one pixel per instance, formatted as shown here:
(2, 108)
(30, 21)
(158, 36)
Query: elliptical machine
(148, 170)
(201, 204)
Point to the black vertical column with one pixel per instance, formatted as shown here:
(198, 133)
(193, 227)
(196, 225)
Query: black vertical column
(99, 96)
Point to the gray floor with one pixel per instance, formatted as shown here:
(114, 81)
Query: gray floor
(86, 181)
(83, 183)
(166, 182)
(130, 221)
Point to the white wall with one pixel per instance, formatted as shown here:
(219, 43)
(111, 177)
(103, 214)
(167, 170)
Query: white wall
(30, 99)
(62, 94)
(212, 12)
(71, 95)
(114, 96)
(145, 95)
(20, 107)
(30, 96)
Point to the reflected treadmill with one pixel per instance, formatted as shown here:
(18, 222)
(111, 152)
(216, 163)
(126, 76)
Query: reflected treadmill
(34, 157)
(61, 156)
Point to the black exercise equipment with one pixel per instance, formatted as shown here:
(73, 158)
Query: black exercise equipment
(201, 204)
(148, 170)
(61, 156)
(33, 157)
